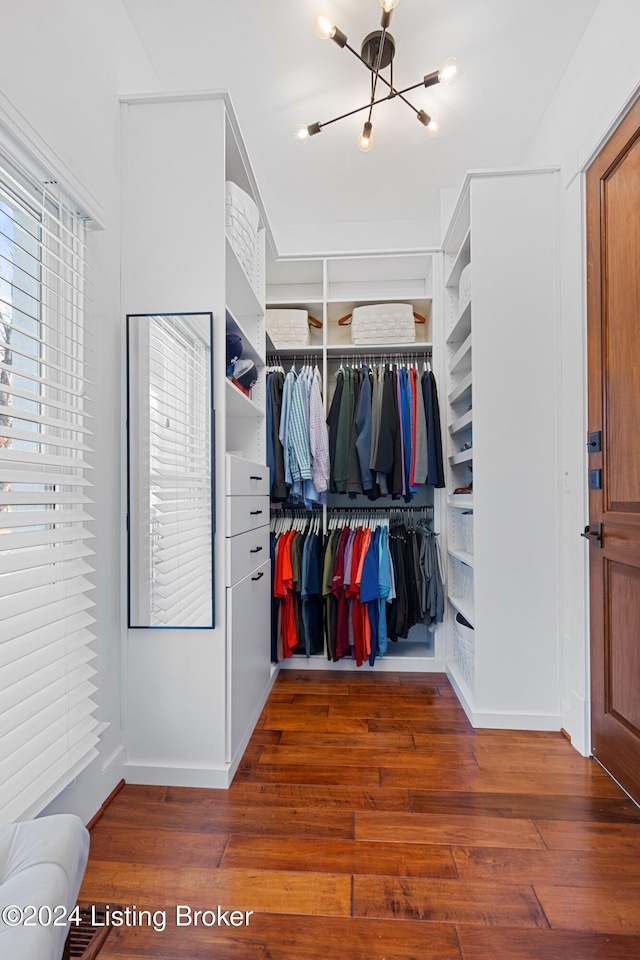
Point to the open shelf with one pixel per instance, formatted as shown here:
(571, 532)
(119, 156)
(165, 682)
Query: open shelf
(463, 556)
(312, 351)
(457, 426)
(239, 405)
(462, 327)
(463, 607)
(248, 349)
(461, 360)
(463, 457)
(462, 501)
(462, 391)
(242, 299)
(462, 259)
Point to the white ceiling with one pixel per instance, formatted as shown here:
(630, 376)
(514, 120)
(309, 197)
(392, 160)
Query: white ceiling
(513, 55)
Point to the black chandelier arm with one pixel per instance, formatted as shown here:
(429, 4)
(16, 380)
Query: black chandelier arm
(394, 92)
(376, 72)
(343, 116)
(390, 96)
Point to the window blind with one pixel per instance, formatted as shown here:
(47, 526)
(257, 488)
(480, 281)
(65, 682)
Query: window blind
(180, 474)
(48, 731)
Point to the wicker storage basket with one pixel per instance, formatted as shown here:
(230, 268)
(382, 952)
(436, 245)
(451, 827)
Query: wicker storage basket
(383, 323)
(464, 288)
(288, 328)
(242, 221)
(466, 523)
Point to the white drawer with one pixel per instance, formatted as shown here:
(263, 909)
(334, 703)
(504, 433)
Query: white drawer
(246, 513)
(246, 479)
(245, 553)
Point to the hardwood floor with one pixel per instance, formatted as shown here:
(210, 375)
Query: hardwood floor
(368, 821)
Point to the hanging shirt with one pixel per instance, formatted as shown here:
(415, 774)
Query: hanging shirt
(319, 440)
(363, 430)
(332, 423)
(298, 434)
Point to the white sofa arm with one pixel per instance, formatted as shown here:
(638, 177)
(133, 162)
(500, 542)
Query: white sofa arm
(42, 863)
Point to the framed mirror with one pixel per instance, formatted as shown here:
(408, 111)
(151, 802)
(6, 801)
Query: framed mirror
(170, 470)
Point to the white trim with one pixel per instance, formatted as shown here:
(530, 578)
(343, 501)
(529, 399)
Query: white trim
(386, 664)
(151, 774)
(481, 175)
(589, 150)
(115, 758)
(479, 719)
(30, 149)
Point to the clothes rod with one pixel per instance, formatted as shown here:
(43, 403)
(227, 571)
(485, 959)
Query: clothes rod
(361, 510)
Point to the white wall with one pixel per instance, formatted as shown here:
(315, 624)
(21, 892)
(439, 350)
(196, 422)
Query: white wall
(600, 81)
(62, 67)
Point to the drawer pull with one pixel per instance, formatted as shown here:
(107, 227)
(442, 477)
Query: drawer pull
(260, 575)
(256, 550)
(255, 478)
(254, 513)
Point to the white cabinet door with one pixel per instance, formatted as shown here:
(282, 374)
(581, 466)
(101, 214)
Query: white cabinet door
(249, 661)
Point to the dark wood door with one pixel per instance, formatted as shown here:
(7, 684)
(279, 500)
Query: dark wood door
(613, 253)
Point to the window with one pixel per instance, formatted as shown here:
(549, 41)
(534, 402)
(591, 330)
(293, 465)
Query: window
(47, 729)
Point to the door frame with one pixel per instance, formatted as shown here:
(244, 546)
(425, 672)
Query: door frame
(589, 155)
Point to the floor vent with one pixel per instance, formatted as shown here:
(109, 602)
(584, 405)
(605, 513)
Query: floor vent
(86, 940)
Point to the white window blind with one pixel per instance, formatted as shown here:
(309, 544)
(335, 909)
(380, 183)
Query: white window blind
(48, 733)
(180, 474)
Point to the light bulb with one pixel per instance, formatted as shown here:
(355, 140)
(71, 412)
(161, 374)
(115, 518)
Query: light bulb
(324, 25)
(434, 127)
(449, 71)
(365, 139)
(301, 133)
(389, 5)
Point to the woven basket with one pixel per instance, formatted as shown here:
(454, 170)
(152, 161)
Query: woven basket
(288, 328)
(243, 221)
(383, 323)
(464, 288)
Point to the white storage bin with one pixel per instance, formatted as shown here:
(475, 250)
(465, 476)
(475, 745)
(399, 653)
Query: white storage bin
(466, 525)
(383, 323)
(464, 289)
(288, 328)
(243, 221)
(466, 584)
(464, 649)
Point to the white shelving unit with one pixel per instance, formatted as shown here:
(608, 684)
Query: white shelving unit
(193, 696)
(502, 579)
(329, 288)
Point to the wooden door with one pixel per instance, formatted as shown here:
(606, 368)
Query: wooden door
(613, 252)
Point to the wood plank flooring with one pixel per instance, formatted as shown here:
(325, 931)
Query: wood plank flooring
(368, 821)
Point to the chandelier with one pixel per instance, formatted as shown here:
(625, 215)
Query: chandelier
(377, 53)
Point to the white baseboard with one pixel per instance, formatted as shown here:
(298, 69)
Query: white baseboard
(480, 719)
(114, 758)
(389, 664)
(576, 720)
(166, 776)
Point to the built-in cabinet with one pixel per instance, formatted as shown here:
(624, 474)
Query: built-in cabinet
(500, 382)
(193, 696)
(329, 289)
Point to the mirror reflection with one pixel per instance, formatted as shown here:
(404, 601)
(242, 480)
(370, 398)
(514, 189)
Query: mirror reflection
(170, 470)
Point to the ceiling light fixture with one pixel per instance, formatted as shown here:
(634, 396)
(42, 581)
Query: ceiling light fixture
(377, 53)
